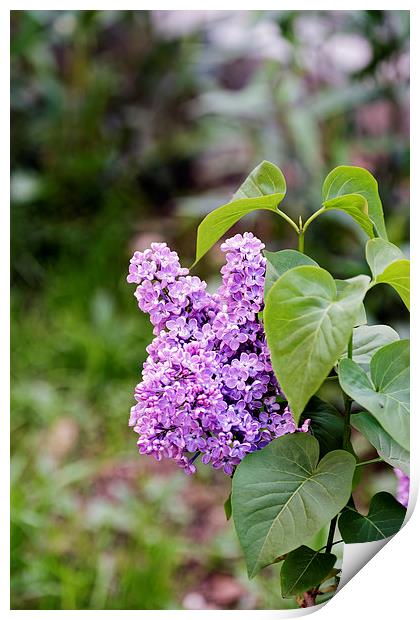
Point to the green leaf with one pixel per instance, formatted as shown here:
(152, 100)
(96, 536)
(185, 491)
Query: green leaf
(346, 180)
(303, 569)
(367, 339)
(386, 394)
(356, 206)
(281, 496)
(380, 254)
(361, 313)
(308, 322)
(389, 266)
(384, 519)
(397, 275)
(327, 424)
(264, 188)
(280, 262)
(228, 507)
(387, 448)
(265, 180)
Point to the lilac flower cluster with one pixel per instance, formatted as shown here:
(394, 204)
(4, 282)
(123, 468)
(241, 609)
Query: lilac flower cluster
(403, 488)
(208, 387)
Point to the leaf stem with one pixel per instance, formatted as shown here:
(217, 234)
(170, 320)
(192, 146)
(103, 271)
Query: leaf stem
(312, 218)
(302, 228)
(289, 220)
(337, 542)
(378, 459)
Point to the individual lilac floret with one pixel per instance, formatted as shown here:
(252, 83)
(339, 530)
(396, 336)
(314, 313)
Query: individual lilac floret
(403, 488)
(208, 388)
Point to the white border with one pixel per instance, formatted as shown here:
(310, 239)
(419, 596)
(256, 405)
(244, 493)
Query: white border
(387, 586)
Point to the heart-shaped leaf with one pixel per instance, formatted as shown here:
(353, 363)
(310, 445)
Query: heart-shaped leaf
(389, 266)
(367, 339)
(360, 318)
(386, 393)
(264, 188)
(387, 448)
(308, 322)
(384, 519)
(303, 569)
(345, 180)
(327, 424)
(354, 205)
(281, 496)
(280, 262)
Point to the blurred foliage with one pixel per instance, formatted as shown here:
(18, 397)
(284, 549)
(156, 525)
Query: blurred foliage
(128, 127)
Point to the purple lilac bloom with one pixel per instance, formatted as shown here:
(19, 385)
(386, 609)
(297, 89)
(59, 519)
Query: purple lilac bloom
(403, 487)
(208, 388)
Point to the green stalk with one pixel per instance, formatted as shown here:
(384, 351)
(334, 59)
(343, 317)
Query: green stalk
(312, 218)
(330, 540)
(301, 237)
(288, 220)
(328, 547)
(350, 347)
(347, 402)
(337, 542)
(378, 459)
(301, 242)
(302, 228)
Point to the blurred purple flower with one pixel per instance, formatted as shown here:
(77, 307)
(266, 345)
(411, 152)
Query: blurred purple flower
(403, 488)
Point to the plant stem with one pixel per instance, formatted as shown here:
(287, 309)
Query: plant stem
(337, 542)
(347, 413)
(330, 540)
(350, 347)
(302, 228)
(301, 242)
(347, 402)
(378, 459)
(312, 218)
(289, 220)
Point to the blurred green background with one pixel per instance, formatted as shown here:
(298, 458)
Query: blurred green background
(128, 127)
